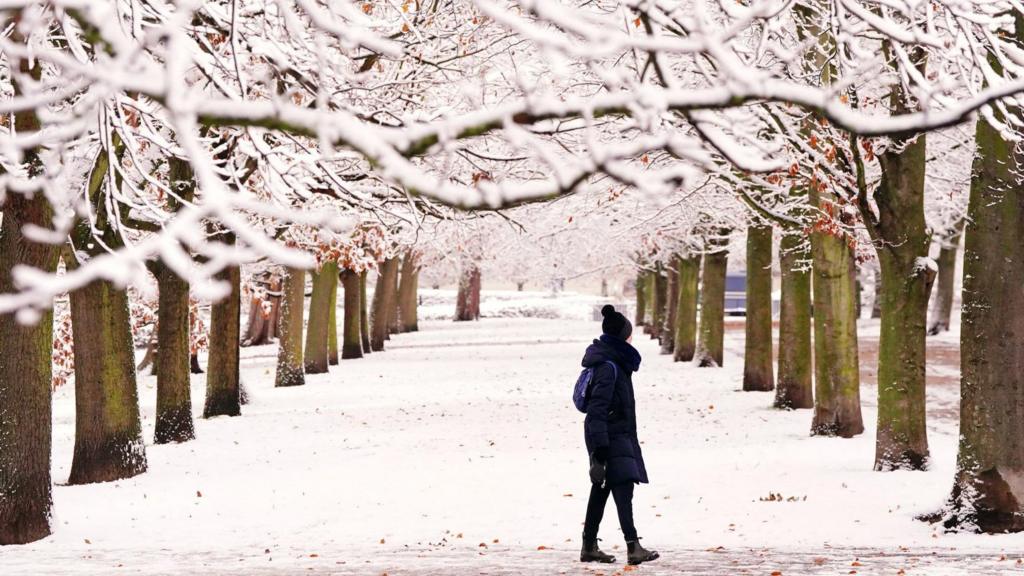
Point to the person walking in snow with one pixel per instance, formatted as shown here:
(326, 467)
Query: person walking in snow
(616, 464)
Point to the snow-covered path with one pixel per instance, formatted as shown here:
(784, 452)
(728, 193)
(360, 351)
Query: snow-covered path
(458, 451)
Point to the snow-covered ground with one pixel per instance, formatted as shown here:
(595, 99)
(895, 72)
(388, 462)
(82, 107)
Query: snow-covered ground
(458, 451)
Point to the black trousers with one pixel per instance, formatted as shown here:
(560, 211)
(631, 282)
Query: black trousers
(623, 494)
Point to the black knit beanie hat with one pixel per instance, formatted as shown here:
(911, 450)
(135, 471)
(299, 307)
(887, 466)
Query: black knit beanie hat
(615, 324)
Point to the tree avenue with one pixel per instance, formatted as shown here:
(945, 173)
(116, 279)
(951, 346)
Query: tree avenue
(334, 175)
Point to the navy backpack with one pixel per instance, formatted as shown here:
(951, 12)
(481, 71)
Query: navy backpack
(581, 392)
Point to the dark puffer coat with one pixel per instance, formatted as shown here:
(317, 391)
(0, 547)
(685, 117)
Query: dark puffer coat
(611, 409)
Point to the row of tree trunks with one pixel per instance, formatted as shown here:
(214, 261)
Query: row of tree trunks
(223, 388)
(988, 491)
(351, 342)
(317, 353)
(383, 303)
(758, 373)
(290, 368)
(796, 362)
(688, 278)
(711, 332)
(467, 300)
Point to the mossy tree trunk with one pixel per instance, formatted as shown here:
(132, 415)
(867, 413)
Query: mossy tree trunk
(988, 491)
(316, 357)
(688, 271)
(711, 334)
(108, 433)
(25, 380)
(945, 285)
(364, 313)
(351, 344)
(407, 294)
(668, 329)
(796, 362)
(902, 240)
(757, 357)
(173, 386)
(223, 392)
(639, 318)
(836, 364)
(383, 304)
(289, 349)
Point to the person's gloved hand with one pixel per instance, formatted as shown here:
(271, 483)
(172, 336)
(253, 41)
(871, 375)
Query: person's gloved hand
(598, 461)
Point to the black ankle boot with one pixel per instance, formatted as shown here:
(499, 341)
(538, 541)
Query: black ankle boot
(591, 553)
(637, 554)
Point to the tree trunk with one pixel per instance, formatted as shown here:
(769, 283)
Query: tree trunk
(173, 386)
(942, 301)
(383, 303)
(364, 314)
(26, 369)
(757, 357)
(988, 492)
(795, 389)
(193, 364)
(641, 300)
(660, 288)
(836, 368)
(686, 308)
(407, 290)
(467, 301)
(876, 304)
(223, 396)
(394, 314)
(711, 336)
(332, 320)
(902, 241)
(668, 330)
(289, 347)
(108, 433)
(316, 355)
(351, 345)
(262, 325)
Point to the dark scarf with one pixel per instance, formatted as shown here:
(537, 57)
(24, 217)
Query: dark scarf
(630, 356)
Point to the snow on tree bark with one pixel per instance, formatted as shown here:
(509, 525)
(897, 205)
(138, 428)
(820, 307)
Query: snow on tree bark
(364, 313)
(173, 389)
(668, 329)
(383, 303)
(289, 351)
